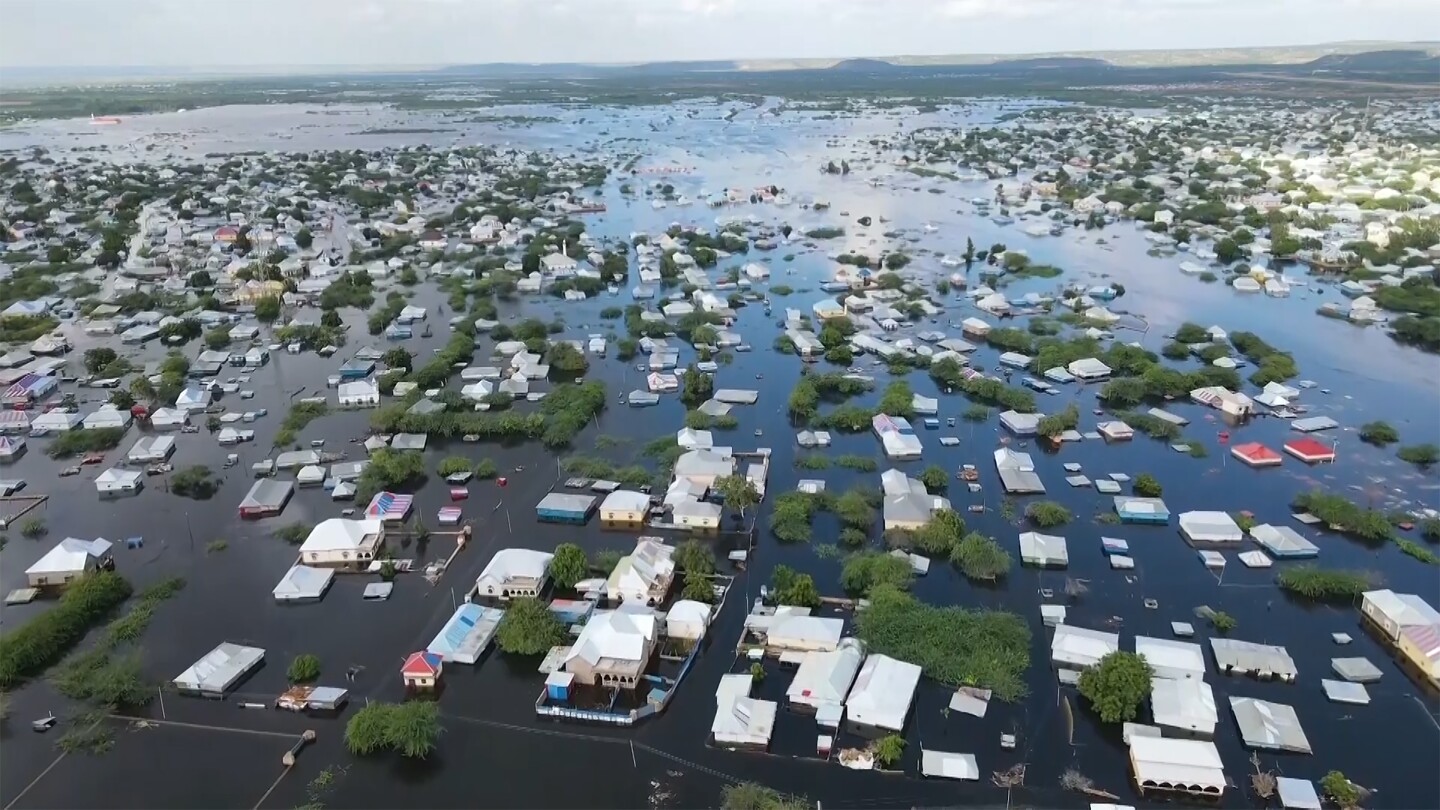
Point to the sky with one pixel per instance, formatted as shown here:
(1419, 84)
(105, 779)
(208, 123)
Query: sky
(191, 33)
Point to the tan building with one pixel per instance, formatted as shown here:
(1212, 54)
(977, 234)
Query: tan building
(614, 648)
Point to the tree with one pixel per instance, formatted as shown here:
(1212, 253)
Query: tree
(397, 357)
(217, 339)
(304, 238)
(410, 729)
(696, 385)
(267, 309)
(979, 557)
(98, 358)
(122, 399)
(888, 749)
(1227, 250)
(453, 465)
(752, 796)
(694, 557)
(142, 389)
(1148, 486)
(867, 570)
(935, 478)
(303, 669)
(1421, 455)
(201, 279)
(568, 566)
(898, 400)
(793, 588)
(330, 319)
(1340, 790)
(529, 628)
(194, 482)
(939, 536)
(737, 491)
(698, 588)
(563, 356)
(389, 469)
(1376, 433)
(1117, 686)
(1047, 514)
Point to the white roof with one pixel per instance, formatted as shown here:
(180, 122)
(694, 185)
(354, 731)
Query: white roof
(1043, 549)
(825, 677)
(739, 718)
(1210, 527)
(303, 582)
(1188, 705)
(1297, 794)
(1080, 646)
(948, 766)
(70, 556)
(792, 630)
(1170, 658)
(1273, 726)
(882, 693)
(1402, 608)
(1165, 762)
(1282, 540)
(625, 500)
(339, 534)
(220, 668)
(689, 611)
(1088, 367)
(1246, 656)
(618, 635)
(515, 563)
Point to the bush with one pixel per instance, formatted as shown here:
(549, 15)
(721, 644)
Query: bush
(1421, 455)
(1047, 514)
(1379, 433)
(1340, 790)
(194, 482)
(1321, 584)
(452, 465)
(1223, 622)
(75, 442)
(529, 628)
(33, 528)
(568, 566)
(980, 557)
(409, 729)
(866, 570)
(889, 749)
(752, 796)
(1147, 486)
(955, 646)
(935, 478)
(858, 463)
(303, 669)
(294, 533)
(1117, 686)
(789, 587)
(790, 518)
(40, 642)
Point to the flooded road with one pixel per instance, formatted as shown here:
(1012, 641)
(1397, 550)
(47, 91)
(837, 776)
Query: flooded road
(495, 753)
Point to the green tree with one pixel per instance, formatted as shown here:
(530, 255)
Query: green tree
(267, 309)
(1340, 790)
(866, 570)
(563, 356)
(793, 588)
(398, 357)
(1047, 514)
(1376, 433)
(939, 536)
(737, 491)
(217, 339)
(752, 796)
(410, 729)
(889, 749)
(1148, 486)
(980, 557)
(452, 465)
(122, 399)
(330, 319)
(695, 385)
(568, 566)
(304, 239)
(898, 400)
(1421, 455)
(694, 557)
(98, 358)
(698, 588)
(529, 628)
(935, 478)
(303, 669)
(1117, 686)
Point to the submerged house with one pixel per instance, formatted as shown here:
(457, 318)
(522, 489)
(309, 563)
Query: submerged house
(219, 670)
(342, 543)
(514, 573)
(1185, 706)
(1170, 766)
(614, 648)
(69, 560)
(882, 694)
(643, 576)
(1017, 472)
(740, 720)
(824, 677)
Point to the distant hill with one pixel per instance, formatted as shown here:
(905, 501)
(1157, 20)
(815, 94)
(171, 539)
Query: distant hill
(864, 66)
(1052, 63)
(1406, 60)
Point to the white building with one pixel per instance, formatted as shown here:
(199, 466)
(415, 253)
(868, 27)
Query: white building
(359, 394)
(1168, 658)
(740, 720)
(687, 619)
(341, 542)
(116, 481)
(824, 677)
(882, 693)
(643, 576)
(1079, 647)
(625, 506)
(513, 573)
(69, 559)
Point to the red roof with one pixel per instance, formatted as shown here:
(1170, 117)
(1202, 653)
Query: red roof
(1308, 448)
(1255, 452)
(422, 663)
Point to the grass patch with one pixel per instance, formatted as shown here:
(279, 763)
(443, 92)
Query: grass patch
(859, 463)
(1322, 584)
(34, 646)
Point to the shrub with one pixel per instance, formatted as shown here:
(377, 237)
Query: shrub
(529, 628)
(1047, 514)
(1379, 433)
(789, 587)
(935, 478)
(980, 557)
(1148, 486)
(294, 533)
(1340, 790)
(409, 729)
(40, 642)
(1223, 622)
(1421, 455)
(866, 570)
(194, 482)
(888, 749)
(1321, 584)
(303, 669)
(1117, 686)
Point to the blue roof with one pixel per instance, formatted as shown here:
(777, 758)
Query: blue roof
(453, 634)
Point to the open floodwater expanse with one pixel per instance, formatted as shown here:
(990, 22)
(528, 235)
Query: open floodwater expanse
(494, 751)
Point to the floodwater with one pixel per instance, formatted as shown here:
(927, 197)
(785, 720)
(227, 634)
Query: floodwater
(495, 753)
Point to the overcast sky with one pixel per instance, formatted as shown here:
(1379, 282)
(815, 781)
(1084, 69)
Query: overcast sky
(428, 32)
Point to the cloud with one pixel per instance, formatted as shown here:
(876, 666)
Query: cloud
(427, 32)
